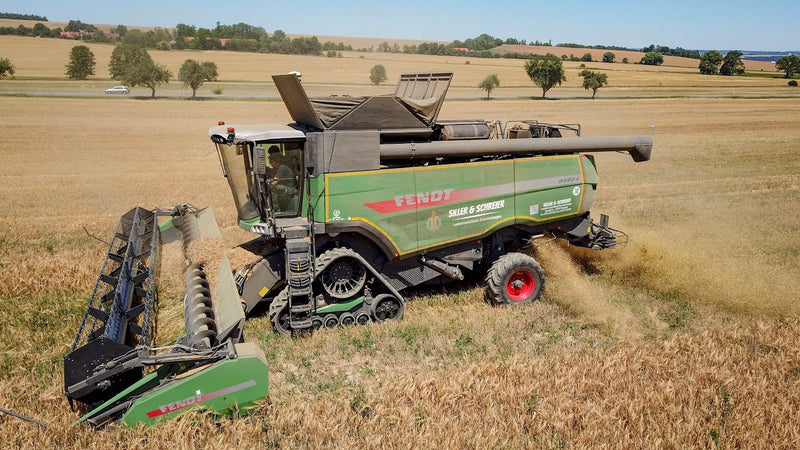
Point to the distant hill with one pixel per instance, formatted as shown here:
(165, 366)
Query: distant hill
(769, 56)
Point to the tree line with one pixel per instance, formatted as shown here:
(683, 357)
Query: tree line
(249, 38)
(22, 17)
(238, 37)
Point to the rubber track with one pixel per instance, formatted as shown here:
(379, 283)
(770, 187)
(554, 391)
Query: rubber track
(322, 262)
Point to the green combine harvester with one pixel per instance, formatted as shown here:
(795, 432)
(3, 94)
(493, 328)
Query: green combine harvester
(357, 200)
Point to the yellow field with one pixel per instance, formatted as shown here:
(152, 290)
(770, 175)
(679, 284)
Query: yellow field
(689, 336)
(40, 63)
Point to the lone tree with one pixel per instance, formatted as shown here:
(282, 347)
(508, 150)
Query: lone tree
(6, 68)
(133, 66)
(789, 64)
(709, 62)
(545, 71)
(609, 57)
(194, 74)
(732, 64)
(124, 57)
(489, 84)
(652, 59)
(81, 63)
(593, 80)
(377, 74)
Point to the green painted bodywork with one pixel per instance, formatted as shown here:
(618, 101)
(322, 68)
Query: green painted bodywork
(340, 307)
(148, 382)
(248, 224)
(167, 225)
(420, 208)
(227, 387)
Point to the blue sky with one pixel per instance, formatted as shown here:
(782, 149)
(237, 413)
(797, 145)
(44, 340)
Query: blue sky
(691, 24)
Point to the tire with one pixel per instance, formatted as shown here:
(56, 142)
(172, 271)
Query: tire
(514, 279)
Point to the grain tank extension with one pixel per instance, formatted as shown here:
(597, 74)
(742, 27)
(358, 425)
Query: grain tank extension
(363, 197)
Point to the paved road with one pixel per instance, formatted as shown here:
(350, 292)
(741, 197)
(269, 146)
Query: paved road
(158, 95)
(477, 96)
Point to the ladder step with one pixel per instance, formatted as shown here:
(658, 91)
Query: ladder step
(300, 282)
(298, 324)
(301, 308)
(299, 266)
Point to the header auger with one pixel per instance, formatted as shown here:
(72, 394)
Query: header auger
(356, 200)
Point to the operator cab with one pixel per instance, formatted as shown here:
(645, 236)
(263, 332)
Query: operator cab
(264, 167)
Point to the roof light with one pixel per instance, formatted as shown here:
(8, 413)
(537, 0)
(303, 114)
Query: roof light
(221, 122)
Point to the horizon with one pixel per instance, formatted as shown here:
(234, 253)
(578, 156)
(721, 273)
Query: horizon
(625, 24)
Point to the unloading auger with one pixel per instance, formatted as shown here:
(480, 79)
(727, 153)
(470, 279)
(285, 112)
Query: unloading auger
(113, 370)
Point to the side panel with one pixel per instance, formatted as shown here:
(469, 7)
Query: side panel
(377, 198)
(475, 199)
(550, 188)
(421, 208)
(318, 199)
(590, 183)
(229, 386)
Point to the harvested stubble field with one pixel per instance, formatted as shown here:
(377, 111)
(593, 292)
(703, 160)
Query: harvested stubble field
(686, 337)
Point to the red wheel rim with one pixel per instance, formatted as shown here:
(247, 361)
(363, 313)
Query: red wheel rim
(520, 285)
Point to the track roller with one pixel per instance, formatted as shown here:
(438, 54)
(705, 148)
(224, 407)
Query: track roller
(346, 319)
(330, 321)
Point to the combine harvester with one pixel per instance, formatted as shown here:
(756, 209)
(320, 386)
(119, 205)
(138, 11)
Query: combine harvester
(357, 200)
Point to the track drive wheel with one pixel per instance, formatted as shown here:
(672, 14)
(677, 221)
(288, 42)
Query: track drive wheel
(344, 276)
(387, 307)
(513, 279)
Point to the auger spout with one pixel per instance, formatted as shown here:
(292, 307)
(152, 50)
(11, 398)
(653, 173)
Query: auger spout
(639, 147)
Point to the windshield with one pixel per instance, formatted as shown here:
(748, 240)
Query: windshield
(233, 164)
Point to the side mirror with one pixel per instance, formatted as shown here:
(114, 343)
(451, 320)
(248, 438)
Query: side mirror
(260, 161)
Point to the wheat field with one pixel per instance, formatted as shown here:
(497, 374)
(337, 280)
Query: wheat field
(688, 336)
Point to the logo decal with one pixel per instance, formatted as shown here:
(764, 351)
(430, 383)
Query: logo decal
(576, 191)
(434, 222)
(197, 399)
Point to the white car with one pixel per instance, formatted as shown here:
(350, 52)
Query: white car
(118, 90)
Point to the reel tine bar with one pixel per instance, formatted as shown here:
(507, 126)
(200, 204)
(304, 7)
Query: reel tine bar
(119, 316)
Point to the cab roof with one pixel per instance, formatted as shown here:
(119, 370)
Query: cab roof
(257, 133)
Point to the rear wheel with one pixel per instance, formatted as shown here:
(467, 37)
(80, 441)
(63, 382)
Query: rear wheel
(513, 279)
